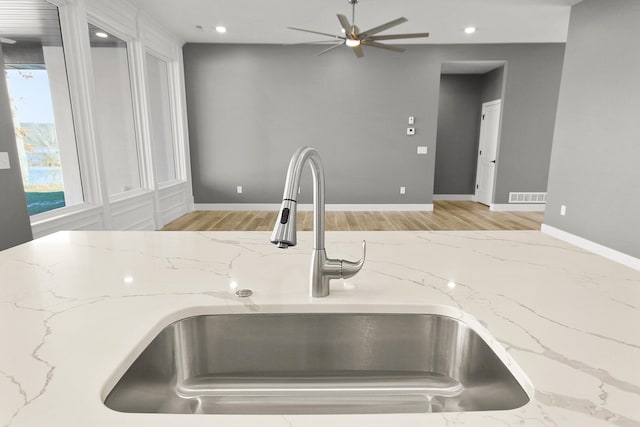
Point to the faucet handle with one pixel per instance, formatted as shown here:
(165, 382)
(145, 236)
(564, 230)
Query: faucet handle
(350, 268)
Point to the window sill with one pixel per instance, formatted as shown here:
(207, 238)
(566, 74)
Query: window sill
(61, 213)
(131, 194)
(169, 184)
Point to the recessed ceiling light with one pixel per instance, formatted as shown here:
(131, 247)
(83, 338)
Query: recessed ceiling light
(102, 34)
(221, 29)
(470, 30)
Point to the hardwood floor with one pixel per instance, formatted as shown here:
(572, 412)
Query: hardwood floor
(447, 215)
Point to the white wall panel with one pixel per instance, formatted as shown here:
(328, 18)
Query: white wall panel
(173, 202)
(134, 213)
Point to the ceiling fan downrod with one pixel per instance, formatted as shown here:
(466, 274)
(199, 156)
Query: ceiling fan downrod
(353, 4)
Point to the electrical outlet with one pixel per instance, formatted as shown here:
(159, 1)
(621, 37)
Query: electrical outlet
(239, 189)
(4, 161)
(563, 210)
(403, 190)
(422, 150)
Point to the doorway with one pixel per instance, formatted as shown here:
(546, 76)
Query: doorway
(465, 86)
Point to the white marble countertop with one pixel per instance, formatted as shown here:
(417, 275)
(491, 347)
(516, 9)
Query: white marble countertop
(75, 307)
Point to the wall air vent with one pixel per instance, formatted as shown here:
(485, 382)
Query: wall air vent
(527, 197)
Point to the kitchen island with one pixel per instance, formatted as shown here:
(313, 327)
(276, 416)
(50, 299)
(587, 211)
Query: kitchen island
(76, 308)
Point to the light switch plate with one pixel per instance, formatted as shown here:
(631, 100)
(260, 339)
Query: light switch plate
(411, 120)
(239, 189)
(4, 161)
(422, 150)
(411, 131)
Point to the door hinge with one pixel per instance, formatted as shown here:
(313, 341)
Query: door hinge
(483, 117)
(477, 186)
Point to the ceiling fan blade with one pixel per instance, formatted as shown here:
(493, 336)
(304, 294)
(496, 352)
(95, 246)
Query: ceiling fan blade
(344, 23)
(358, 51)
(399, 36)
(379, 28)
(316, 42)
(317, 32)
(7, 41)
(383, 46)
(330, 49)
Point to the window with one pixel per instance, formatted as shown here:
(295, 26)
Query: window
(160, 119)
(114, 111)
(36, 76)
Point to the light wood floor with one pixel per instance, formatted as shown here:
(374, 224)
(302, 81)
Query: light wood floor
(446, 215)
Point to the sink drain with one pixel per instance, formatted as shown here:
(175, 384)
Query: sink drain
(243, 293)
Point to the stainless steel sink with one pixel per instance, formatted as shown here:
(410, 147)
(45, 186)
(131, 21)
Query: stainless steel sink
(317, 363)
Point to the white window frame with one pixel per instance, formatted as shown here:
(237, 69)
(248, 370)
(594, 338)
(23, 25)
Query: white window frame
(128, 36)
(159, 44)
(168, 61)
(151, 206)
(85, 152)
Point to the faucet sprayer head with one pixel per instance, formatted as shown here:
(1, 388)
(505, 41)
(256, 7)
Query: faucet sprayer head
(284, 231)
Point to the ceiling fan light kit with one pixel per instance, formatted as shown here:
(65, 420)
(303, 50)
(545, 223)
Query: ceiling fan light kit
(352, 42)
(355, 39)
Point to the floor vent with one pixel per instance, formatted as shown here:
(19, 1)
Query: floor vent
(527, 197)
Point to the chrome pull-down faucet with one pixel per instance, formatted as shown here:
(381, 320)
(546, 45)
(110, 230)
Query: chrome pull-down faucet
(323, 269)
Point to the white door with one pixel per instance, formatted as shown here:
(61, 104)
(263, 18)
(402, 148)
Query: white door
(487, 151)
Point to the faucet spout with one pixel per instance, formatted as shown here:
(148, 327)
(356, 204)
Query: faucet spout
(323, 269)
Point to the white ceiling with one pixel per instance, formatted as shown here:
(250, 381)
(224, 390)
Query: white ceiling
(30, 20)
(265, 21)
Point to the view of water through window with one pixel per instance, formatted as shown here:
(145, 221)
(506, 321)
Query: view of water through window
(40, 103)
(36, 138)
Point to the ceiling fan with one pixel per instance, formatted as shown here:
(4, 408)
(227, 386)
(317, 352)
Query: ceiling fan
(355, 39)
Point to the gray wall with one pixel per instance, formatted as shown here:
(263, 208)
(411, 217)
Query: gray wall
(15, 227)
(492, 85)
(595, 165)
(251, 106)
(458, 129)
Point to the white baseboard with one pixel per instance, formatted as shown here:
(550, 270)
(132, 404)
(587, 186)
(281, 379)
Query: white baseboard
(236, 206)
(517, 207)
(453, 197)
(309, 207)
(590, 246)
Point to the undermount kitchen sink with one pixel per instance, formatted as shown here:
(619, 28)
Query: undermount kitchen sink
(318, 363)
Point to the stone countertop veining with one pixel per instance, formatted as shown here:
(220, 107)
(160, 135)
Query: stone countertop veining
(77, 307)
